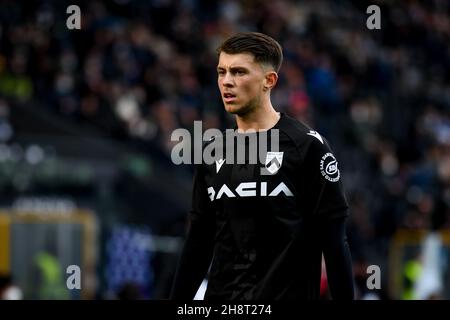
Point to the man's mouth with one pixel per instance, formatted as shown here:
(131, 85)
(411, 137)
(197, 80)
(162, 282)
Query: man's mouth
(229, 97)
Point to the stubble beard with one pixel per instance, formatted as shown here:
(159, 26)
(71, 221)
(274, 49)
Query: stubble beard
(247, 108)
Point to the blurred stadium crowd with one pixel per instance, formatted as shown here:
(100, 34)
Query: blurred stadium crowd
(137, 70)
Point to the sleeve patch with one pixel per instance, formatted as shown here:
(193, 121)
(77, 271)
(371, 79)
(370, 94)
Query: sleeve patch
(329, 167)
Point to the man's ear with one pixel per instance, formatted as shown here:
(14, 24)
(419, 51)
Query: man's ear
(270, 80)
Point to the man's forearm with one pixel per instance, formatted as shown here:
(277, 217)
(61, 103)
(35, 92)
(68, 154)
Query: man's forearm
(338, 260)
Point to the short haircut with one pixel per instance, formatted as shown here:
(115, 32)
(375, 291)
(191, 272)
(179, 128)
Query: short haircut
(265, 49)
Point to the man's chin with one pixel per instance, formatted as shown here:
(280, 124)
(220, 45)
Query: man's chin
(236, 109)
(232, 108)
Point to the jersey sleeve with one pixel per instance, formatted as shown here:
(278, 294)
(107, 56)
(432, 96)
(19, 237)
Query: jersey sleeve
(338, 259)
(321, 182)
(198, 248)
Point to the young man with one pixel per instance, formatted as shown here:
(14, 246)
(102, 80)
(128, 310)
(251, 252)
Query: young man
(265, 231)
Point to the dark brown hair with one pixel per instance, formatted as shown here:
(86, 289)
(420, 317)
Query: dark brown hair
(264, 48)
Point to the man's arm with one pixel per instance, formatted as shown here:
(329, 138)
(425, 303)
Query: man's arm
(323, 188)
(337, 259)
(198, 247)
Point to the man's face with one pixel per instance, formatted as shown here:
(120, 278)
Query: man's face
(241, 82)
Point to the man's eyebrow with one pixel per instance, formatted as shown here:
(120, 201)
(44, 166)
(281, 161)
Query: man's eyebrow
(232, 68)
(238, 67)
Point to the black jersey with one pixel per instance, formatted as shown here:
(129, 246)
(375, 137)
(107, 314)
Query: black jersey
(261, 230)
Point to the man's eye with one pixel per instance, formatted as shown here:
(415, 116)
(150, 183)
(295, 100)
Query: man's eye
(240, 72)
(221, 73)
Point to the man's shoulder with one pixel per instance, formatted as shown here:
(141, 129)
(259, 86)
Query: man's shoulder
(299, 132)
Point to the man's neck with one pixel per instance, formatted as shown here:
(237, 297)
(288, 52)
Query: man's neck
(263, 118)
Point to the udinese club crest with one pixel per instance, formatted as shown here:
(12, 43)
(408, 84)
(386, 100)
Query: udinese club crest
(274, 160)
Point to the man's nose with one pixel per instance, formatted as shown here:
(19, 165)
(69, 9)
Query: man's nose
(227, 80)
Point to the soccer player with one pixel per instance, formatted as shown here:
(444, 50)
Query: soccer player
(261, 234)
